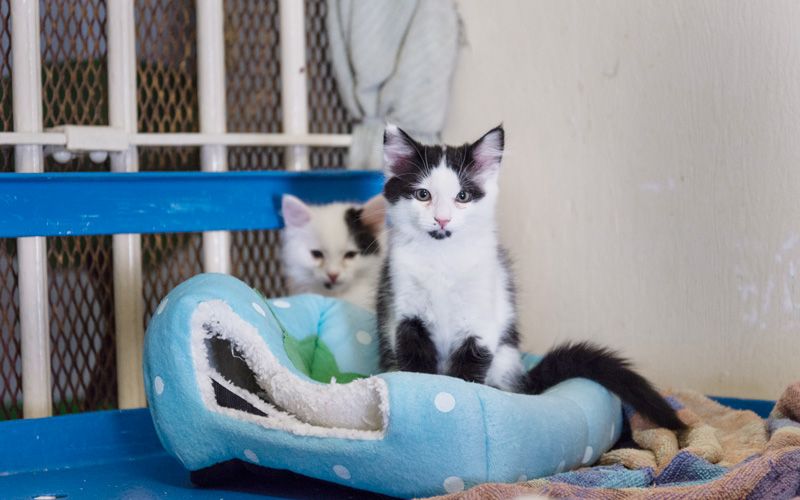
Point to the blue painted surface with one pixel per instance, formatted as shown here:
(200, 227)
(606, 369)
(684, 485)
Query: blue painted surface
(115, 454)
(760, 407)
(76, 440)
(152, 202)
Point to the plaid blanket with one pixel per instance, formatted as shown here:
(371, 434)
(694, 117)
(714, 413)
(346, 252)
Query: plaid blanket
(723, 454)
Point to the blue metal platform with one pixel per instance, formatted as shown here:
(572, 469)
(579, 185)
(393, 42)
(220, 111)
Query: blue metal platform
(117, 455)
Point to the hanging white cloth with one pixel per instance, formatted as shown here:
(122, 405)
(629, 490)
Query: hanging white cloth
(393, 61)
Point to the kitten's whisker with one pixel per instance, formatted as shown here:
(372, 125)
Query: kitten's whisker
(376, 242)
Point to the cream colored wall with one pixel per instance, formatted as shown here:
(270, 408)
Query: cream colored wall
(651, 187)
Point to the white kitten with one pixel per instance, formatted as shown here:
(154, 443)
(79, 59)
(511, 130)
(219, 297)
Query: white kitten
(334, 249)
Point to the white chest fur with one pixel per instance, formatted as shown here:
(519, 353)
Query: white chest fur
(457, 288)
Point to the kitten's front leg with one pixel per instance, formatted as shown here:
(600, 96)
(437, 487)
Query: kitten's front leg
(414, 348)
(470, 361)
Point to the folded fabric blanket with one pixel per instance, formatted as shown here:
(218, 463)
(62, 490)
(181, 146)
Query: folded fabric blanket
(724, 453)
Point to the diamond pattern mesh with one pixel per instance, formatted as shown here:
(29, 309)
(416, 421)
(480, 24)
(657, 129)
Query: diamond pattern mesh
(166, 35)
(166, 72)
(167, 260)
(82, 323)
(74, 74)
(74, 91)
(10, 363)
(327, 114)
(252, 65)
(252, 70)
(6, 111)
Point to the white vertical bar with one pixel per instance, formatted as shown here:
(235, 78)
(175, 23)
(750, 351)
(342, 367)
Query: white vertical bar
(31, 252)
(127, 248)
(294, 88)
(211, 94)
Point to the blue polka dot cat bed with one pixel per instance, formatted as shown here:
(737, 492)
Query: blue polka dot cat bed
(291, 384)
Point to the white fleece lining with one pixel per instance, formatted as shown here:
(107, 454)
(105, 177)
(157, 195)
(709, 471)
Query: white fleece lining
(356, 410)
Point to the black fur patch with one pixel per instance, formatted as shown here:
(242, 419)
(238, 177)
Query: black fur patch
(470, 362)
(415, 349)
(426, 157)
(361, 234)
(510, 336)
(383, 301)
(416, 168)
(460, 161)
(609, 370)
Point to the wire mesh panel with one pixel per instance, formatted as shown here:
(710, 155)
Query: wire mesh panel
(255, 259)
(252, 69)
(327, 114)
(166, 66)
(166, 73)
(167, 260)
(10, 360)
(10, 364)
(6, 105)
(252, 79)
(82, 324)
(74, 91)
(74, 72)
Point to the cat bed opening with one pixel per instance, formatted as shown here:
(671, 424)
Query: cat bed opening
(237, 374)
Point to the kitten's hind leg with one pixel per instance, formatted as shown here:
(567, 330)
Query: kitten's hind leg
(414, 348)
(470, 361)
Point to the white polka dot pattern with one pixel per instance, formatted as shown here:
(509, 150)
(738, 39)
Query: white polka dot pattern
(445, 402)
(162, 305)
(259, 309)
(587, 455)
(158, 385)
(251, 455)
(341, 471)
(453, 484)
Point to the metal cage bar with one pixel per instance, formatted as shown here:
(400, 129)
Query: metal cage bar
(294, 87)
(126, 248)
(211, 94)
(31, 252)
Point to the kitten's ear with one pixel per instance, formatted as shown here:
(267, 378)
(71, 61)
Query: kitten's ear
(295, 212)
(373, 213)
(399, 149)
(487, 152)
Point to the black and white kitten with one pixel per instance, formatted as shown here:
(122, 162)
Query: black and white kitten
(446, 297)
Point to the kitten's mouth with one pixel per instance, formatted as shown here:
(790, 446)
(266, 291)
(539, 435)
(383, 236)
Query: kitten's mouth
(439, 234)
(330, 286)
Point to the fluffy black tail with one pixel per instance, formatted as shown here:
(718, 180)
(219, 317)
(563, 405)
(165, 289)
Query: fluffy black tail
(605, 367)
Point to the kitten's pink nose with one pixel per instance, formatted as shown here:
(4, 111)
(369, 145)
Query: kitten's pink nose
(442, 222)
(333, 277)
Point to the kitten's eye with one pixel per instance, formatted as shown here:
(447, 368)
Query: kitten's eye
(463, 197)
(350, 255)
(422, 195)
(316, 254)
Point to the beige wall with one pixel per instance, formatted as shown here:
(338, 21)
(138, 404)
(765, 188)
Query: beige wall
(651, 188)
